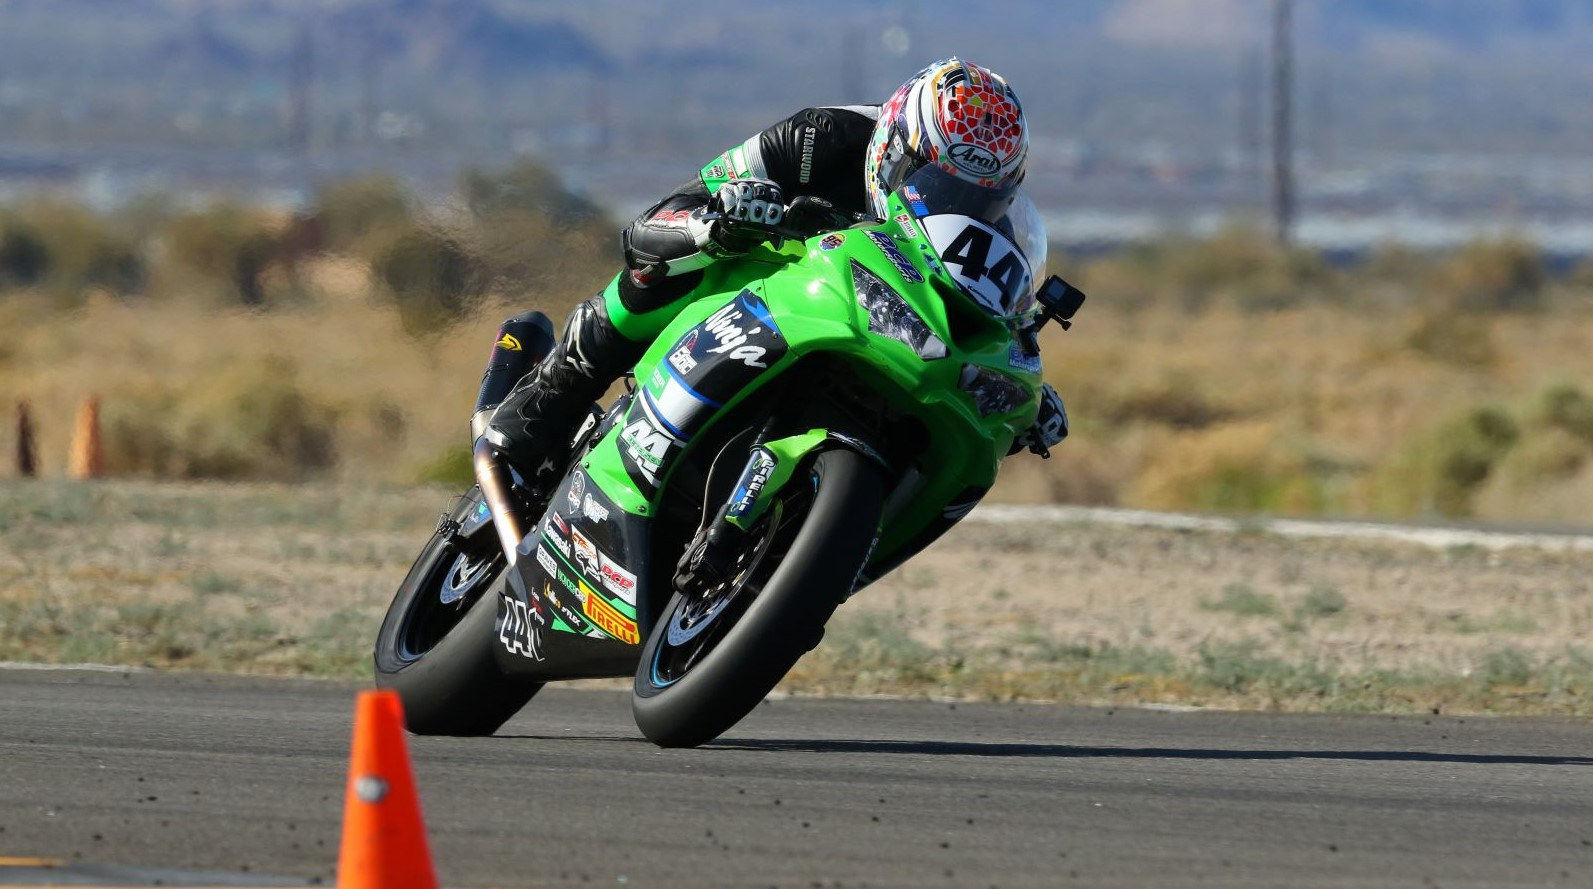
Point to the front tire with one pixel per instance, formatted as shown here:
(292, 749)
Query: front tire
(685, 696)
(437, 654)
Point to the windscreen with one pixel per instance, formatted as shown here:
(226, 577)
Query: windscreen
(991, 241)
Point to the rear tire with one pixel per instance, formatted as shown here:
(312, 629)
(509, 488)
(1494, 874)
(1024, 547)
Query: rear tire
(439, 657)
(685, 706)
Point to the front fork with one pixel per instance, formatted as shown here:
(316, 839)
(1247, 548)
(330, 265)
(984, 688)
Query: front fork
(770, 466)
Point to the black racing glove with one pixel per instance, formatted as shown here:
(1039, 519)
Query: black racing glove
(749, 211)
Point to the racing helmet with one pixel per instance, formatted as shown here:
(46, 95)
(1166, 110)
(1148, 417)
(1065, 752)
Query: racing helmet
(956, 115)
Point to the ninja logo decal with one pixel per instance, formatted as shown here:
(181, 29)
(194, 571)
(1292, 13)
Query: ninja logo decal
(706, 367)
(724, 326)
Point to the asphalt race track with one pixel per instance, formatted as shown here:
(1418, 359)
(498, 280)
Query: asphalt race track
(144, 770)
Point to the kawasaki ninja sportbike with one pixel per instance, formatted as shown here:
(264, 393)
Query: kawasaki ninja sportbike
(825, 409)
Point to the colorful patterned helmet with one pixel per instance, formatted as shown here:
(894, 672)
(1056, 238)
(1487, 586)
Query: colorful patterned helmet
(954, 114)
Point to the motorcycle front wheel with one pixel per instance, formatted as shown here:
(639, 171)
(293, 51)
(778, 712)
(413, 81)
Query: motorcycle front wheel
(713, 656)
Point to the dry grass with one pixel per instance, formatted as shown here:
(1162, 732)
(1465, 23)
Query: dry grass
(1223, 375)
(294, 579)
(190, 391)
(1314, 409)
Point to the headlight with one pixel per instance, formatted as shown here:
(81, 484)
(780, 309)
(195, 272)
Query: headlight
(992, 393)
(890, 315)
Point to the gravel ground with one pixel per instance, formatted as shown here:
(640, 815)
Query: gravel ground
(293, 579)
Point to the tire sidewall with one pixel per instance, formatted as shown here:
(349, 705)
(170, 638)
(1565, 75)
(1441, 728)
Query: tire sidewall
(456, 687)
(781, 624)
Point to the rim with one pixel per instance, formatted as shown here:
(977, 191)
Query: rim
(446, 595)
(697, 624)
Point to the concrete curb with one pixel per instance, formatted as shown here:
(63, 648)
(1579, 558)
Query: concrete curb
(1435, 537)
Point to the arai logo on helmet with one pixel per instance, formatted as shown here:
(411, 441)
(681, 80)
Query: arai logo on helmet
(974, 158)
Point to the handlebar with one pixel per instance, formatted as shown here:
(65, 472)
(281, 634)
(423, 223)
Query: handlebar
(805, 217)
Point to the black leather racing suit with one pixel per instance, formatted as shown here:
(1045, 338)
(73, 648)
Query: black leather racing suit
(817, 151)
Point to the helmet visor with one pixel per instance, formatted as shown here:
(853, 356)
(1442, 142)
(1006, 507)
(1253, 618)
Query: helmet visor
(941, 192)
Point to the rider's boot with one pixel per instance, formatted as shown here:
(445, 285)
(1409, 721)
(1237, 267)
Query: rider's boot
(533, 426)
(522, 341)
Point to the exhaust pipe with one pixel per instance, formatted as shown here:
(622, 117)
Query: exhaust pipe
(497, 486)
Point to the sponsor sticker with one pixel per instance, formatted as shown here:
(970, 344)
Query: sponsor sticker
(545, 559)
(535, 611)
(606, 618)
(1020, 361)
(887, 246)
(618, 581)
(906, 222)
(832, 241)
(572, 618)
(585, 551)
(915, 201)
(574, 586)
(747, 493)
(560, 540)
(593, 510)
(577, 487)
(647, 446)
(681, 359)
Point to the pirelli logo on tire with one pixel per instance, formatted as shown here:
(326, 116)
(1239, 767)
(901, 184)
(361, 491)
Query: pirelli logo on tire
(610, 621)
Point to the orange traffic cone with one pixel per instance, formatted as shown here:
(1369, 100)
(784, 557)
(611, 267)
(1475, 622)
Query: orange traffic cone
(384, 836)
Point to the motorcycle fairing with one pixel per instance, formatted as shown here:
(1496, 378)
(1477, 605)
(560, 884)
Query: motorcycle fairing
(574, 583)
(580, 567)
(705, 368)
(790, 302)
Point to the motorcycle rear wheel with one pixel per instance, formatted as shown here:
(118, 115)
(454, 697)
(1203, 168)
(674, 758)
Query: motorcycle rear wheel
(438, 654)
(691, 690)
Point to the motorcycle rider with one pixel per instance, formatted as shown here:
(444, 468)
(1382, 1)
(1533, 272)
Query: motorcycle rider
(728, 208)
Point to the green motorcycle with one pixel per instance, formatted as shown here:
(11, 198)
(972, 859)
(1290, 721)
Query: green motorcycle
(831, 404)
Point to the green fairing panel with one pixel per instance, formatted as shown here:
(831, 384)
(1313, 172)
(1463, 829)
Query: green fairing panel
(808, 289)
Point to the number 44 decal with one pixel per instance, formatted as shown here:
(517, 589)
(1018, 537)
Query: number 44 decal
(984, 261)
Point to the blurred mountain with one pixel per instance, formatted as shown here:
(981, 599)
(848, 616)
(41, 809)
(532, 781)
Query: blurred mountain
(1167, 96)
